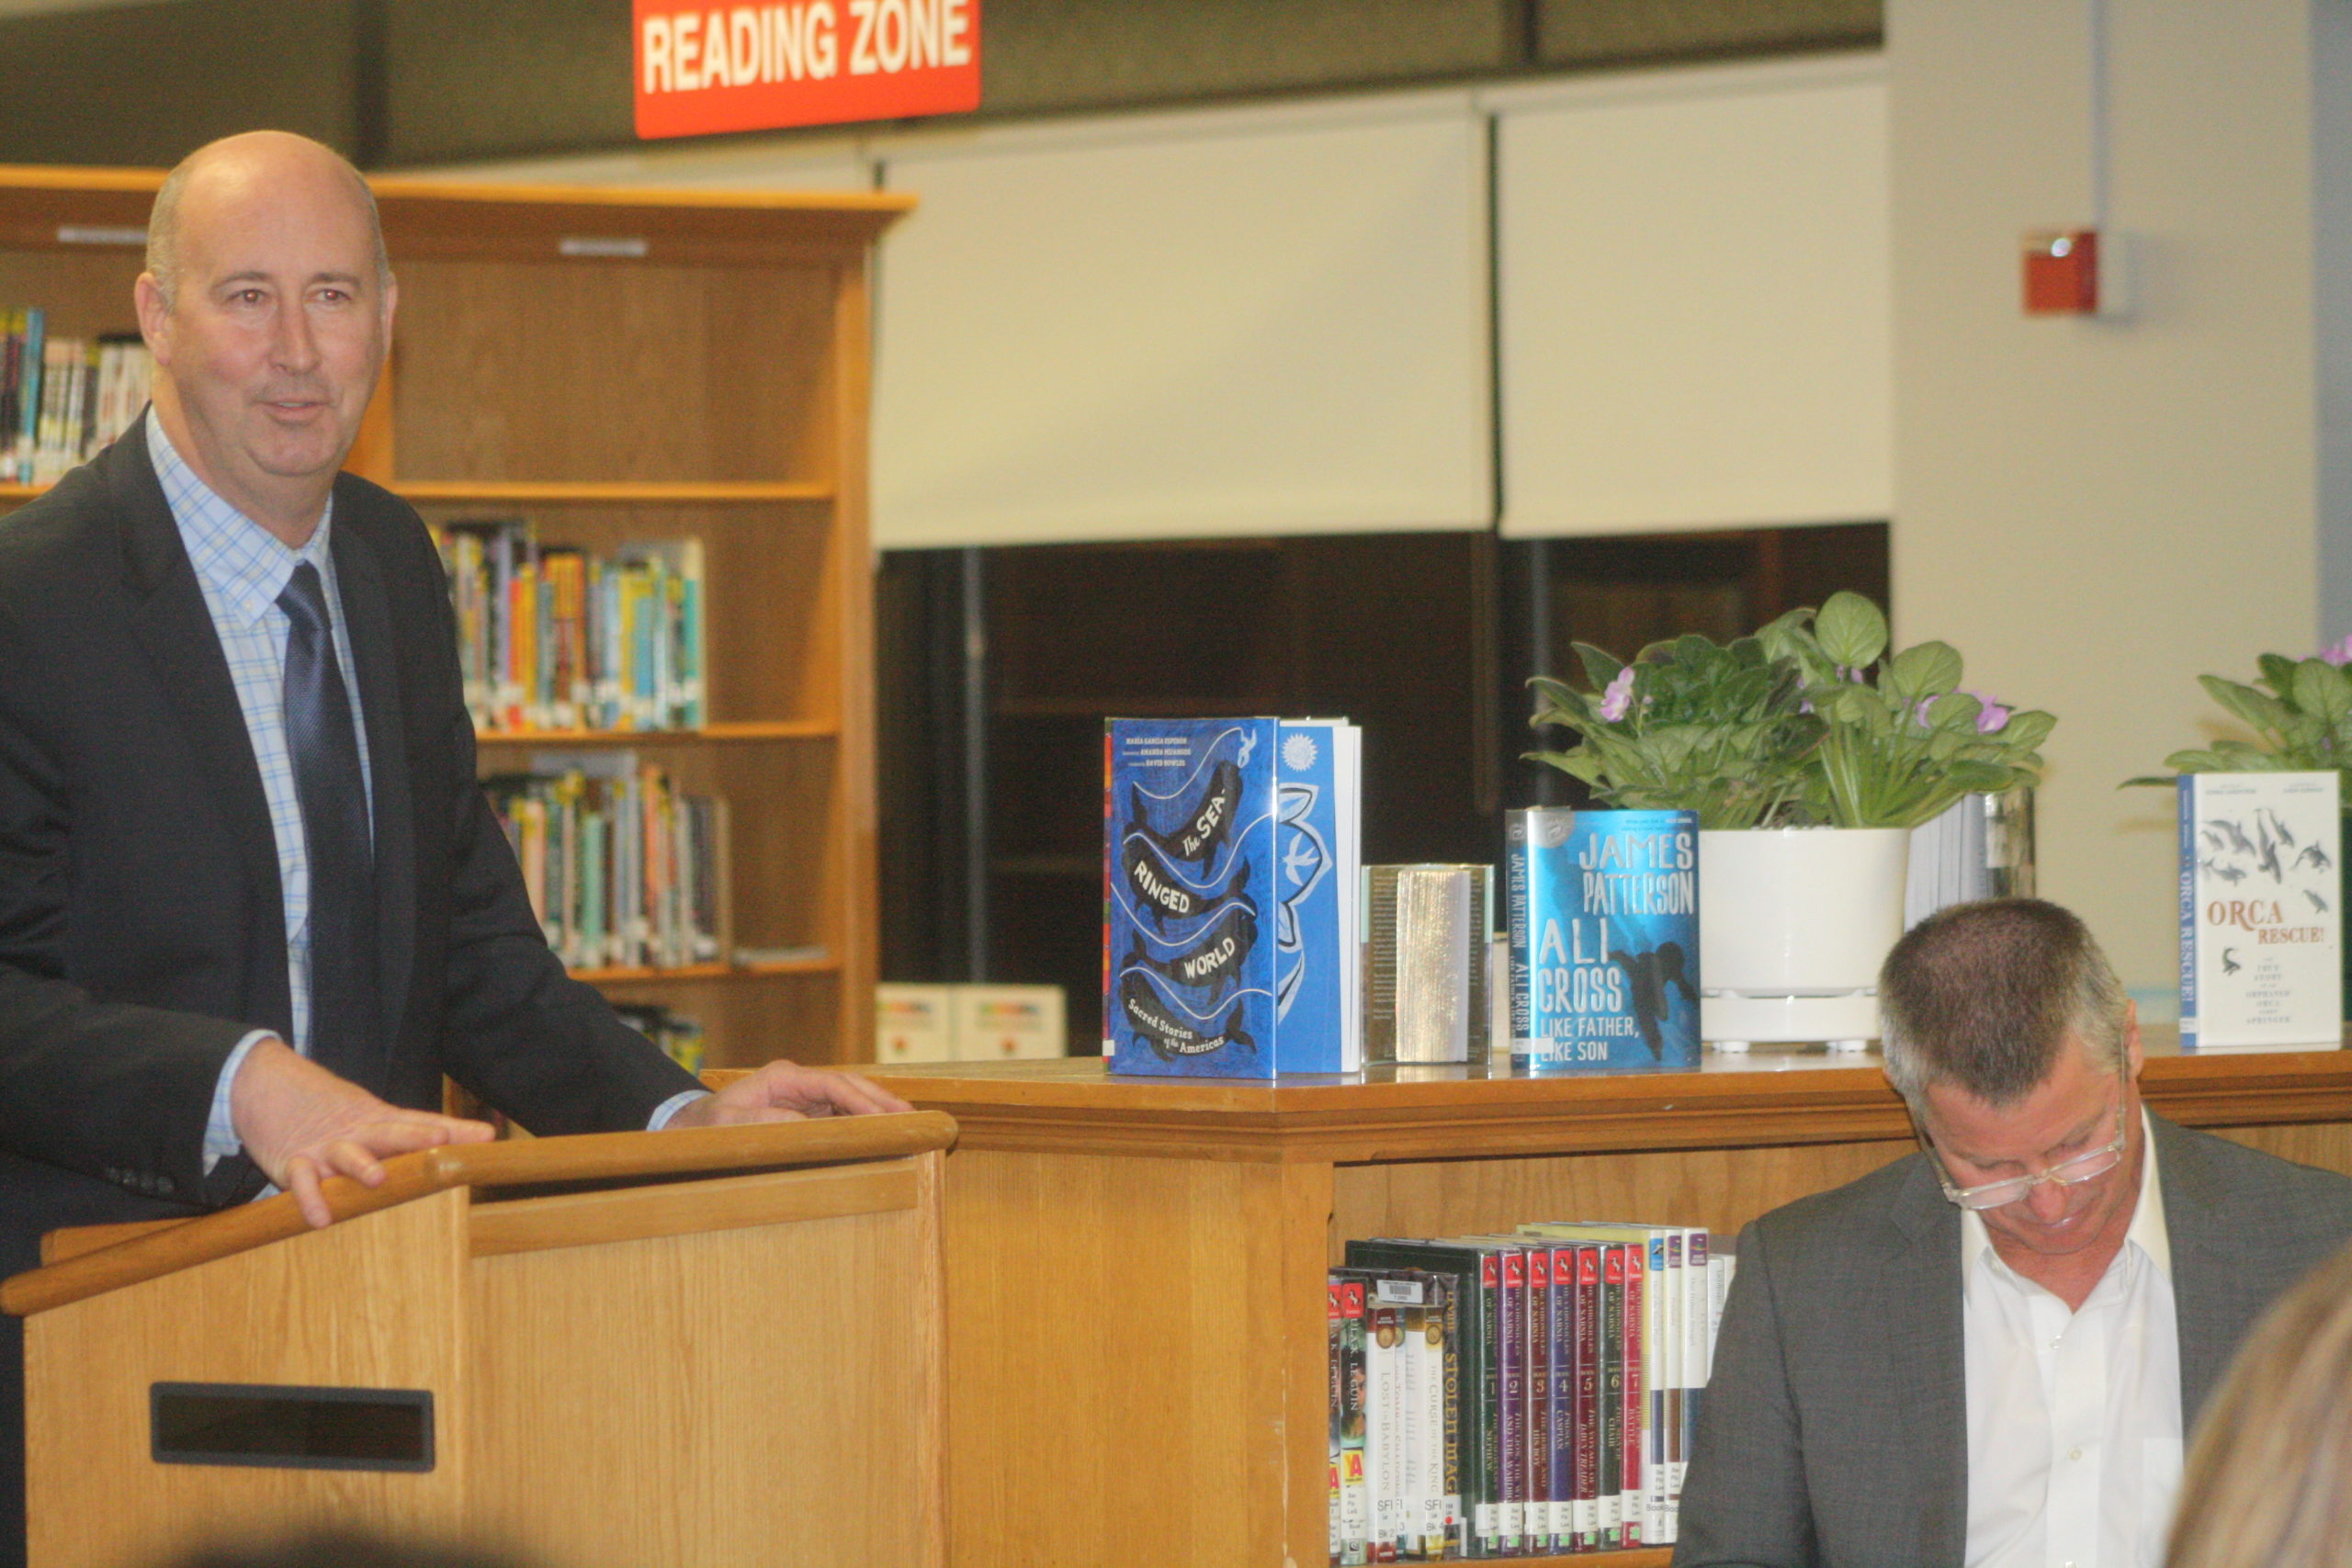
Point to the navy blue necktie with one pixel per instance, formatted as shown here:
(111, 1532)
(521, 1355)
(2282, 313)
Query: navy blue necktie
(345, 1022)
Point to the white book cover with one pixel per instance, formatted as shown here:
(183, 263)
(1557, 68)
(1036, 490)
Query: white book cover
(1413, 1488)
(1384, 1453)
(1438, 1506)
(1665, 1402)
(2260, 933)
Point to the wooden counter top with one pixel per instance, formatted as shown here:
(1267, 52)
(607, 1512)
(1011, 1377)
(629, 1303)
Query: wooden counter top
(1403, 1112)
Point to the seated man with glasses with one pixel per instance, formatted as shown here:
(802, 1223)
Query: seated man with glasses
(1987, 1353)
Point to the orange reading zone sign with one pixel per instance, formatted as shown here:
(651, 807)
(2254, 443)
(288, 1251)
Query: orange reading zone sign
(711, 68)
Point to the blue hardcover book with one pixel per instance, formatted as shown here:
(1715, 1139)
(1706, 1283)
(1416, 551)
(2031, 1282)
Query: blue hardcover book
(1604, 939)
(1316, 856)
(1189, 872)
(1230, 849)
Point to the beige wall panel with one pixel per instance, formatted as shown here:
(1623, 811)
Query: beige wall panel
(2097, 511)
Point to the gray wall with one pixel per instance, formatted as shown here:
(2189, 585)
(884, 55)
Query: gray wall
(143, 83)
(410, 82)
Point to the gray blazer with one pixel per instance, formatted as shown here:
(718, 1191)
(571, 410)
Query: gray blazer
(1834, 1430)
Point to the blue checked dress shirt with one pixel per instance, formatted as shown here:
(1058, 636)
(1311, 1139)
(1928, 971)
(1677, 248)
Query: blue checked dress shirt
(242, 568)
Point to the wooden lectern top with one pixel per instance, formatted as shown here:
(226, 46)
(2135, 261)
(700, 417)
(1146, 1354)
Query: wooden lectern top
(98, 1258)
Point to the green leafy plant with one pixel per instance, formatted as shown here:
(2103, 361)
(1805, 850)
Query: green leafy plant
(1691, 725)
(1901, 741)
(1810, 721)
(2301, 712)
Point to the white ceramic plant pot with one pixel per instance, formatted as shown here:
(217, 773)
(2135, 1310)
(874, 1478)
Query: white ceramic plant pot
(1793, 923)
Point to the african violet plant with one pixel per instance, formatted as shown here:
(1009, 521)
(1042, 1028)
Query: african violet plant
(1691, 725)
(1900, 740)
(2301, 712)
(1811, 721)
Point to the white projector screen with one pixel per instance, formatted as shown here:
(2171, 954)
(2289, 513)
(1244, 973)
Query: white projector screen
(1693, 304)
(1232, 323)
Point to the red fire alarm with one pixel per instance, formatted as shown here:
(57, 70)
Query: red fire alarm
(2067, 275)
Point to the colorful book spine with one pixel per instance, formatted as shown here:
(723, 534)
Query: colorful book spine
(1562, 1352)
(1355, 1510)
(1590, 1370)
(1609, 1478)
(1539, 1536)
(1603, 914)
(29, 398)
(1513, 1416)
(1335, 1380)
(1633, 1486)
(1666, 1378)
(1443, 1529)
(1384, 1434)
(1697, 1339)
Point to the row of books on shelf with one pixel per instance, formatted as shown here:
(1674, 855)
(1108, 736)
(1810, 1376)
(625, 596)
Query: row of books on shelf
(556, 636)
(624, 870)
(62, 398)
(1518, 1395)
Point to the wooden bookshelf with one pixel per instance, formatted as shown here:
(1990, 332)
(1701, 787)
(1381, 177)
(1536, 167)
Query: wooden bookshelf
(1136, 1267)
(621, 365)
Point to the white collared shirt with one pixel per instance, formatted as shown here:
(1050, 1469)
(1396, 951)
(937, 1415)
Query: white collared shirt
(2074, 1418)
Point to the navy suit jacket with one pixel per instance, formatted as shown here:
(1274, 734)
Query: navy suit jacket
(141, 923)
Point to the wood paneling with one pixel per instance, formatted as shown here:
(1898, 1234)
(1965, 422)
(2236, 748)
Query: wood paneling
(717, 1368)
(636, 1214)
(1117, 1366)
(394, 1319)
(603, 371)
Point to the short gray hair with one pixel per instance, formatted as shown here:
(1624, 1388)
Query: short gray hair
(1984, 996)
(163, 223)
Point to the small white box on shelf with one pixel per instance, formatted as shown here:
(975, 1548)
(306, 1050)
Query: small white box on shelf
(1008, 1024)
(914, 1023)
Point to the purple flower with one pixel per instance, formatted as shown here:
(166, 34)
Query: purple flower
(2338, 653)
(1990, 717)
(1618, 696)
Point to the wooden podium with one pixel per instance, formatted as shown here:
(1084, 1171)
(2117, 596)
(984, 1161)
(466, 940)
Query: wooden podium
(627, 1351)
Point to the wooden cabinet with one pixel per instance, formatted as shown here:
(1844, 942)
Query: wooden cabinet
(1135, 1267)
(622, 365)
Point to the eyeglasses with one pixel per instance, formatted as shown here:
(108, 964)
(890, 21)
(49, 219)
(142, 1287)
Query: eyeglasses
(2065, 1173)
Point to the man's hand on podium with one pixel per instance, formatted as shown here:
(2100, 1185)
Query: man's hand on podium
(787, 1091)
(301, 1123)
